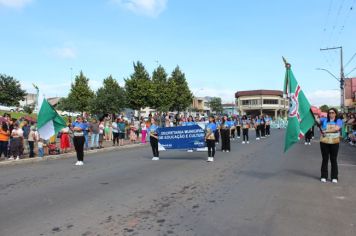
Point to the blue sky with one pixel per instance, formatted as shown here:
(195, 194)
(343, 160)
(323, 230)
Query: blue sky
(222, 46)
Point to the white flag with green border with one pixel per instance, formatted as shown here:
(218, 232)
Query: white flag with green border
(49, 122)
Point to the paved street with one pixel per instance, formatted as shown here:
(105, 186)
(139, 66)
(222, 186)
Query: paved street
(253, 190)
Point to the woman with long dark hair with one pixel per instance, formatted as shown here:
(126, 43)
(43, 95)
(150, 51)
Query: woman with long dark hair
(211, 127)
(225, 135)
(245, 123)
(4, 138)
(329, 144)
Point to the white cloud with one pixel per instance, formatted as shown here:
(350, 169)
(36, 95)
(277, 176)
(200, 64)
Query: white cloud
(14, 3)
(65, 52)
(321, 97)
(226, 95)
(152, 8)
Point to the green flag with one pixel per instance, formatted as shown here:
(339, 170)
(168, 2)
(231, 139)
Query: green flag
(300, 118)
(49, 122)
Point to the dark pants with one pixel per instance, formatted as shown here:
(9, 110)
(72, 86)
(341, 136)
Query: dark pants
(31, 144)
(211, 147)
(78, 142)
(258, 134)
(217, 136)
(263, 130)
(225, 139)
(115, 138)
(245, 134)
(268, 130)
(329, 151)
(154, 145)
(3, 148)
(238, 130)
(308, 136)
(232, 133)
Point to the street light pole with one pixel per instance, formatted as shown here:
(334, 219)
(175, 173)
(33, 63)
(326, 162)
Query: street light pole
(342, 76)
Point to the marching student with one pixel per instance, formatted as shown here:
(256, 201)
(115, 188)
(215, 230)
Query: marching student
(257, 125)
(238, 126)
(245, 123)
(232, 122)
(225, 135)
(308, 136)
(152, 131)
(268, 125)
(217, 131)
(329, 144)
(263, 126)
(211, 127)
(79, 128)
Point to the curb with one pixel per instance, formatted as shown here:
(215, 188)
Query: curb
(67, 155)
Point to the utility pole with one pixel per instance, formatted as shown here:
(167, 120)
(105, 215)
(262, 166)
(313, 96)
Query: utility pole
(342, 76)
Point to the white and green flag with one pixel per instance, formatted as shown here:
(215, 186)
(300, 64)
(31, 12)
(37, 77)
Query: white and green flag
(49, 122)
(300, 117)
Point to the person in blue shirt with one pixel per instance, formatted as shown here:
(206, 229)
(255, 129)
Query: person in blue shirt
(257, 125)
(245, 123)
(232, 128)
(217, 132)
(78, 128)
(211, 128)
(152, 131)
(329, 144)
(225, 135)
(263, 126)
(189, 122)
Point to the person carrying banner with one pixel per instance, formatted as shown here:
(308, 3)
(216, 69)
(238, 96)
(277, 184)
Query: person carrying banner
(329, 144)
(225, 135)
(78, 128)
(257, 123)
(189, 123)
(211, 127)
(245, 123)
(152, 131)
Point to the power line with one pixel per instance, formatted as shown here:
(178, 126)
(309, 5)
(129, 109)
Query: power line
(351, 71)
(342, 27)
(350, 60)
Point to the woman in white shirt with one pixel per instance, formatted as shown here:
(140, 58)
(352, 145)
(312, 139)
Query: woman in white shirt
(16, 145)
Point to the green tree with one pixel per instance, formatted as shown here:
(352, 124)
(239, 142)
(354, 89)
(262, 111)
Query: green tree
(11, 93)
(161, 97)
(324, 108)
(216, 105)
(109, 99)
(138, 88)
(80, 95)
(180, 92)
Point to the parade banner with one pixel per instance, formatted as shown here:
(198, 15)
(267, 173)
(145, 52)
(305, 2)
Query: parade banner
(181, 137)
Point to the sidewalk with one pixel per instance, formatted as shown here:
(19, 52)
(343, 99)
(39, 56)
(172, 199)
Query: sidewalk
(107, 146)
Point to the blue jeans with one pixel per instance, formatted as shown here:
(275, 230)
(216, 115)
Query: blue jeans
(40, 152)
(94, 140)
(86, 136)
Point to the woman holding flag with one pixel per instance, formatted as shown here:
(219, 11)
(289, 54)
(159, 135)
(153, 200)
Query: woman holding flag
(329, 144)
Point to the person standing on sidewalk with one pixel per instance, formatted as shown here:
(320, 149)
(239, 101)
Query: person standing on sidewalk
(101, 132)
(152, 130)
(121, 126)
(26, 128)
(211, 127)
(4, 138)
(31, 141)
(65, 141)
(78, 128)
(94, 131)
(16, 145)
(329, 144)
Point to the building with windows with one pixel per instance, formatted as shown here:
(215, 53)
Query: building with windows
(201, 105)
(350, 94)
(257, 102)
(229, 109)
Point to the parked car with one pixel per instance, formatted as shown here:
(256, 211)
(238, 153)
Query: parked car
(10, 108)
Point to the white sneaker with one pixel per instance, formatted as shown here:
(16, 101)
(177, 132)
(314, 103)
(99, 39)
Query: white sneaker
(11, 159)
(351, 143)
(323, 180)
(248, 142)
(81, 163)
(155, 158)
(17, 158)
(257, 138)
(223, 150)
(238, 137)
(209, 159)
(77, 163)
(305, 143)
(243, 142)
(227, 151)
(309, 143)
(334, 181)
(190, 151)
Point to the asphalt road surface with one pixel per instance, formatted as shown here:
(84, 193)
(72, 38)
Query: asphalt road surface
(253, 190)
